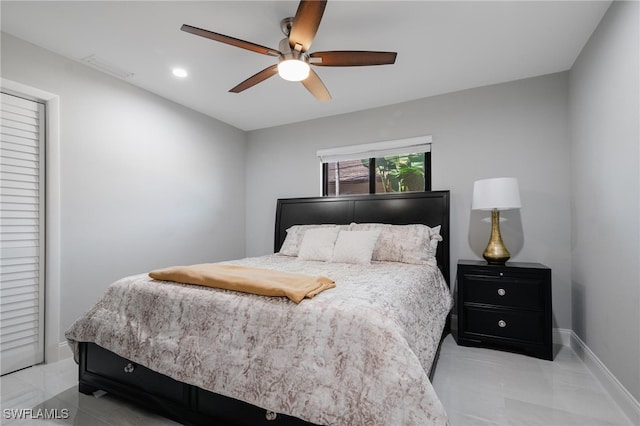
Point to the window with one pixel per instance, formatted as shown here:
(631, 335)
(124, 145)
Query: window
(346, 177)
(393, 166)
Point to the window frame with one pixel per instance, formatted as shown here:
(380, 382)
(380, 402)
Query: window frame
(372, 175)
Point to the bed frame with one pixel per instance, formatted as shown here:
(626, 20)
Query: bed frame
(100, 369)
(428, 208)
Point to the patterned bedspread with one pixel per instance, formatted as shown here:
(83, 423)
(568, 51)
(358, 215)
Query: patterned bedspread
(357, 354)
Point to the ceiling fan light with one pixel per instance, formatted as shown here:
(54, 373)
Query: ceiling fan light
(293, 69)
(179, 72)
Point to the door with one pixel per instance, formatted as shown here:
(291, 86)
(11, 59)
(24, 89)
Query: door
(22, 219)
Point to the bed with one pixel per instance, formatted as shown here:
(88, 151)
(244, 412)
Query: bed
(359, 353)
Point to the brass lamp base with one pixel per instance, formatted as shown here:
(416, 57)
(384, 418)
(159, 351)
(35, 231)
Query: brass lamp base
(496, 253)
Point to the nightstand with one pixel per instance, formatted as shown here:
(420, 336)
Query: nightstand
(504, 307)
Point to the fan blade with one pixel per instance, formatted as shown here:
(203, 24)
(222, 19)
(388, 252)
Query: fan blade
(316, 87)
(305, 23)
(352, 58)
(230, 40)
(256, 78)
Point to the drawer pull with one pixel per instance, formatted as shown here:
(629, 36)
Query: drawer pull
(502, 274)
(502, 324)
(270, 415)
(501, 292)
(129, 368)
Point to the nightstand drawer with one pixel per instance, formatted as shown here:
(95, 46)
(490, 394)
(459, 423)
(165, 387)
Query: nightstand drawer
(520, 325)
(513, 292)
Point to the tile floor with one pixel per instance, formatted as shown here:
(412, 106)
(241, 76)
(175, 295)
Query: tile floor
(476, 386)
(487, 387)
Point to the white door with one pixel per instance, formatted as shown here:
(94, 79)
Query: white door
(22, 219)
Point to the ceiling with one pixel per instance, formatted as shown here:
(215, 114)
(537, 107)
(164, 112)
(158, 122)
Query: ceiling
(442, 47)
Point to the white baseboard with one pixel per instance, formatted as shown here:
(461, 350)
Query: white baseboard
(627, 403)
(64, 351)
(562, 337)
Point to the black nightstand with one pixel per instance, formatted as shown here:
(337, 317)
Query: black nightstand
(504, 307)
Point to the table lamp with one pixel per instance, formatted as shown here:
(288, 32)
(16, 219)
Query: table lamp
(495, 195)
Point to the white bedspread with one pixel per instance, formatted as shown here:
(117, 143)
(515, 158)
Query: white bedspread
(357, 354)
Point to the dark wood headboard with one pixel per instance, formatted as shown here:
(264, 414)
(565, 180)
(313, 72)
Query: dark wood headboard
(428, 208)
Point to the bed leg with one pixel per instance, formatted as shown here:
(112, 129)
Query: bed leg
(87, 389)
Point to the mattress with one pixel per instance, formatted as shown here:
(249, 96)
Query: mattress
(355, 354)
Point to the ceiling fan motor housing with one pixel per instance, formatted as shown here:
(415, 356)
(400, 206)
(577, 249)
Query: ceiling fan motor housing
(288, 53)
(293, 64)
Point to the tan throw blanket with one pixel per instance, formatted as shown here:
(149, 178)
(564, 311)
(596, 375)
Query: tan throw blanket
(265, 282)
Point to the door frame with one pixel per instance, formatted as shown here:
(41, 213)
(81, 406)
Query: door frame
(54, 350)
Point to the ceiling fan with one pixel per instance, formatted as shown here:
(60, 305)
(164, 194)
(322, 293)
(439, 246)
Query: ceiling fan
(292, 53)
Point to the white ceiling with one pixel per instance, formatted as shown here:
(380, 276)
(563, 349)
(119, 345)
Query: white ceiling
(442, 47)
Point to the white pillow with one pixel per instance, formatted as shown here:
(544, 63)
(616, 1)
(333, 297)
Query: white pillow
(433, 243)
(318, 243)
(355, 246)
(414, 243)
(291, 244)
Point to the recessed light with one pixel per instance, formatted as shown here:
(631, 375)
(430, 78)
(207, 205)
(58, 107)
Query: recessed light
(180, 72)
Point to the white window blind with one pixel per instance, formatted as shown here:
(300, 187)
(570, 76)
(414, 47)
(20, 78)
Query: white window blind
(376, 150)
(21, 232)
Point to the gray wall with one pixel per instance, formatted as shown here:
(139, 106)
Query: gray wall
(512, 129)
(144, 182)
(605, 187)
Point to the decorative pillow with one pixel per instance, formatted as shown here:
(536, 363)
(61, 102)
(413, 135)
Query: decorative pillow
(403, 243)
(318, 243)
(355, 246)
(291, 244)
(433, 243)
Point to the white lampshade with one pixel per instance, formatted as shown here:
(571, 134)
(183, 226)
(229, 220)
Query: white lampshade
(497, 193)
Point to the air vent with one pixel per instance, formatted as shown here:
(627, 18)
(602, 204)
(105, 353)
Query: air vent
(104, 66)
